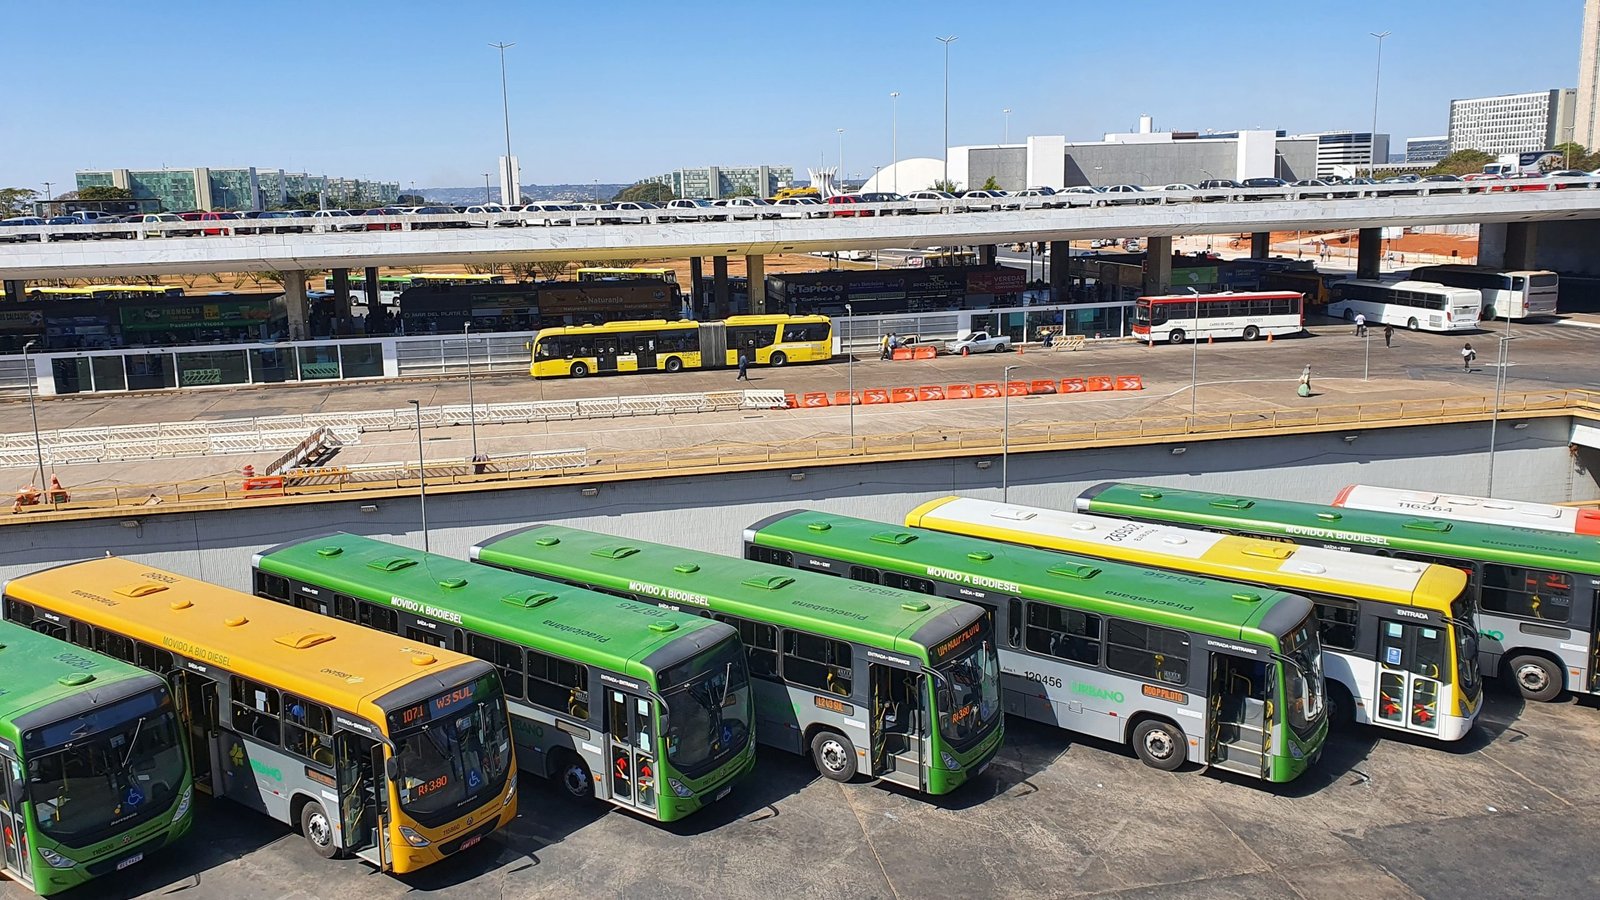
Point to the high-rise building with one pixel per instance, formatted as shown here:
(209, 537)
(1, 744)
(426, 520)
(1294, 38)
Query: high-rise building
(716, 182)
(1513, 123)
(243, 188)
(1586, 124)
(1429, 149)
(1345, 151)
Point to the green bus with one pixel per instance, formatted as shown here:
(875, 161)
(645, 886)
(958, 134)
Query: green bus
(867, 680)
(1534, 595)
(1180, 668)
(676, 707)
(93, 775)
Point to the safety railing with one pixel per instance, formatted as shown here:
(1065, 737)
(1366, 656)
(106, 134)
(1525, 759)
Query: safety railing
(506, 472)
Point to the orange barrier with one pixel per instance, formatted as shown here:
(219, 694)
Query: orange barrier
(845, 398)
(903, 353)
(790, 401)
(1073, 386)
(814, 399)
(264, 483)
(926, 352)
(930, 392)
(1101, 383)
(1047, 386)
(986, 389)
(1130, 383)
(874, 395)
(958, 392)
(1016, 389)
(902, 395)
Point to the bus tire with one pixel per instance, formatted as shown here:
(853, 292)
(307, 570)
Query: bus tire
(1251, 332)
(1488, 314)
(833, 755)
(1413, 324)
(1175, 336)
(318, 830)
(1537, 678)
(574, 776)
(1341, 706)
(674, 364)
(777, 360)
(1159, 745)
(579, 369)
(1349, 315)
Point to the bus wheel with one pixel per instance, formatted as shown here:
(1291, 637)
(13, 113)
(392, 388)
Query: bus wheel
(1175, 336)
(777, 359)
(1413, 324)
(1349, 315)
(314, 824)
(575, 777)
(1537, 677)
(1341, 706)
(1488, 314)
(833, 756)
(579, 369)
(1251, 332)
(674, 364)
(1159, 745)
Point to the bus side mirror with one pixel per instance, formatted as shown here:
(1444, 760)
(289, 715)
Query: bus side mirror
(391, 768)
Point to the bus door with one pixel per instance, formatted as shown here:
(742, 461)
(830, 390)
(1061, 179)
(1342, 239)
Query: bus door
(899, 725)
(358, 761)
(1413, 659)
(1239, 720)
(605, 353)
(630, 730)
(13, 824)
(197, 710)
(644, 351)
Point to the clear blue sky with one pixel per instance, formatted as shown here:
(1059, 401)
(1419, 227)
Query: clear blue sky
(614, 91)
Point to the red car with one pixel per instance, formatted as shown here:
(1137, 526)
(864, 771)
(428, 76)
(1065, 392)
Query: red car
(384, 211)
(218, 217)
(846, 200)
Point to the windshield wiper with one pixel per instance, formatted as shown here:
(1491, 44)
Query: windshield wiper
(134, 742)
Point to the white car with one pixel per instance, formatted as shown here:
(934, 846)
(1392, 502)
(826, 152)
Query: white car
(1080, 195)
(492, 209)
(969, 342)
(749, 208)
(801, 208)
(551, 212)
(934, 202)
(1124, 194)
(336, 220)
(685, 210)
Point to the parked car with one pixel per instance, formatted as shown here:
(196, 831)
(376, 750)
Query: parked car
(1261, 185)
(492, 209)
(19, 222)
(335, 220)
(969, 342)
(1216, 184)
(1453, 184)
(847, 204)
(687, 210)
(1573, 173)
(1125, 195)
(886, 197)
(376, 226)
(155, 219)
(802, 208)
(748, 208)
(67, 235)
(1394, 180)
(934, 202)
(218, 217)
(1038, 198)
(270, 220)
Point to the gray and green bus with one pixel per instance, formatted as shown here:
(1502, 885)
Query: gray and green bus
(1178, 667)
(675, 708)
(867, 679)
(92, 771)
(1534, 595)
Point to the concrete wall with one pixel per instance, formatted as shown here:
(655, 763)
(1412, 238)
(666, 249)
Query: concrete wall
(707, 513)
(1565, 246)
(1007, 165)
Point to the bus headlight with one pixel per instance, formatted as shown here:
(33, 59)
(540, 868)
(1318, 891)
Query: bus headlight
(949, 761)
(183, 804)
(412, 838)
(679, 788)
(1295, 751)
(56, 860)
(511, 792)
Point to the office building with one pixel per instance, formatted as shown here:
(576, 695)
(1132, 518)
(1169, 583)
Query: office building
(1586, 125)
(240, 188)
(716, 182)
(1348, 152)
(1513, 123)
(1429, 149)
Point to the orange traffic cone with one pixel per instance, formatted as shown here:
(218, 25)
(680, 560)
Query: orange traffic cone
(1269, 337)
(1210, 340)
(249, 471)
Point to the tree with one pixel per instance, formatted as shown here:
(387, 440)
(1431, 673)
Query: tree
(104, 192)
(1576, 156)
(13, 201)
(1462, 162)
(743, 191)
(991, 184)
(646, 192)
(410, 200)
(553, 268)
(949, 187)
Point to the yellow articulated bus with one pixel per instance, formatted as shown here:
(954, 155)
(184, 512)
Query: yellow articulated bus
(1399, 649)
(377, 746)
(661, 346)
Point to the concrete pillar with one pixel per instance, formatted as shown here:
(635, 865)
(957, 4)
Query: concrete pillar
(719, 287)
(341, 293)
(1369, 252)
(371, 275)
(1260, 244)
(14, 290)
(294, 303)
(755, 269)
(1060, 262)
(695, 275)
(1521, 246)
(1158, 266)
(988, 254)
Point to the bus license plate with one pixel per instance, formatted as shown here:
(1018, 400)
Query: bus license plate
(470, 842)
(129, 861)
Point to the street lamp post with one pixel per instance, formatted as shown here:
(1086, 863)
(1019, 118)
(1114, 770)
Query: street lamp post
(33, 410)
(48, 195)
(1366, 366)
(1503, 361)
(422, 475)
(841, 156)
(850, 369)
(486, 196)
(505, 108)
(946, 42)
(1007, 113)
(1005, 438)
(472, 407)
(1377, 76)
(894, 137)
(1194, 365)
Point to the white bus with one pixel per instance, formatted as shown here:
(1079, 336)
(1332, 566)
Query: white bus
(1506, 295)
(1417, 305)
(1176, 318)
(1458, 508)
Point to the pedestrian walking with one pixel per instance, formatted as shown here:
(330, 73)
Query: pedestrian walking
(1388, 334)
(744, 366)
(1467, 356)
(1361, 324)
(883, 347)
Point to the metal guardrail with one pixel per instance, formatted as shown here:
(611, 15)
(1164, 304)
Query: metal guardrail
(662, 462)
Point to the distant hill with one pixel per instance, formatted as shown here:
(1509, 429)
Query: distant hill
(466, 196)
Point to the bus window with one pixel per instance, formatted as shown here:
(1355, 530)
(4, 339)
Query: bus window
(1064, 633)
(308, 730)
(863, 573)
(558, 685)
(772, 555)
(1527, 593)
(752, 336)
(761, 643)
(1014, 622)
(907, 583)
(816, 662)
(503, 656)
(1145, 651)
(1341, 620)
(810, 332)
(255, 709)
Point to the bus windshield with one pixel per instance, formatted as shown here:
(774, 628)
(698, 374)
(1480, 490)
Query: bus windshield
(106, 770)
(1303, 650)
(707, 709)
(968, 685)
(460, 754)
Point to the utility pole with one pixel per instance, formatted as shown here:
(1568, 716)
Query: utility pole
(946, 42)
